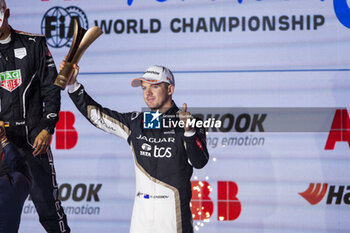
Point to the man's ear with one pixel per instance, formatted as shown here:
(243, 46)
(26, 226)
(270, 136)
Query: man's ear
(171, 89)
(7, 14)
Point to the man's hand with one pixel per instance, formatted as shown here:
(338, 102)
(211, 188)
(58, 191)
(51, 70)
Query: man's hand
(73, 78)
(42, 142)
(185, 117)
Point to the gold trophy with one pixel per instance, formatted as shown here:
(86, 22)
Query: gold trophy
(82, 39)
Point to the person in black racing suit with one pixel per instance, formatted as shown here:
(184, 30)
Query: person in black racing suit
(29, 106)
(14, 184)
(164, 158)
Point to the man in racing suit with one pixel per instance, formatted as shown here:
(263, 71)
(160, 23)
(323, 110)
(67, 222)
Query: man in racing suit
(164, 158)
(29, 106)
(14, 184)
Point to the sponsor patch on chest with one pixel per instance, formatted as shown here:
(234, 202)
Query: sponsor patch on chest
(11, 79)
(156, 140)
(20, 53)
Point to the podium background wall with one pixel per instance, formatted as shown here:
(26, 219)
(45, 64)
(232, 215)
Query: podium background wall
(223, 53)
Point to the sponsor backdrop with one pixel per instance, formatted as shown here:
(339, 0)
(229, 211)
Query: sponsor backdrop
(225, 54)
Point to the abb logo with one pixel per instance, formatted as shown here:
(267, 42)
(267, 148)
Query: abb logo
(66, 135)
(202, 207)
(340, 131)
(315, 194)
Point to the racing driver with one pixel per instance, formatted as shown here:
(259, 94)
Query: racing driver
(29, 106)
(164, 158)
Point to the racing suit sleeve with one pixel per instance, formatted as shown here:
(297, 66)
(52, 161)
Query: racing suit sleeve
(196, 148)
(50, 93)
(103, 118)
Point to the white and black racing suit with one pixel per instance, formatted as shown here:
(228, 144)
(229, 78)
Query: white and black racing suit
(164, 161)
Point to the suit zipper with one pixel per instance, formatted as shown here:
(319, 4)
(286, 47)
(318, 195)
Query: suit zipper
(24, 108)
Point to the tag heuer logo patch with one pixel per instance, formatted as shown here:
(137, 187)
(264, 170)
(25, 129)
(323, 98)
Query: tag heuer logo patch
(10, 80)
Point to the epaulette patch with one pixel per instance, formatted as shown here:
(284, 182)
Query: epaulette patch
(29, 34)
(134, 115)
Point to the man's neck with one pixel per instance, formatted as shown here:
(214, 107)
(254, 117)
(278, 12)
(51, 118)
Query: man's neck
(6, 40)
(5, 34)
(165, 107)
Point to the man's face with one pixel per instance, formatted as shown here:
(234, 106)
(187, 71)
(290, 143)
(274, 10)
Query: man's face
(4, 24)
(156, 96)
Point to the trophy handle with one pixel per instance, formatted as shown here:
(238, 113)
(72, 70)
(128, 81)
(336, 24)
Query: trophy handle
(89, 37)
(82, 39)
(79, 33)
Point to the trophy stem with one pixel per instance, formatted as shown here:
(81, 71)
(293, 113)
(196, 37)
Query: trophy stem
(64, 75)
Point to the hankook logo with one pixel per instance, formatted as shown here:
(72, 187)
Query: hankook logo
(315, 193)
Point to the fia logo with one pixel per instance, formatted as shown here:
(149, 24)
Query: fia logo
(151, 120)
(58, 25)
